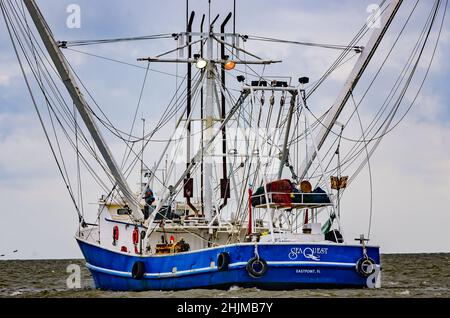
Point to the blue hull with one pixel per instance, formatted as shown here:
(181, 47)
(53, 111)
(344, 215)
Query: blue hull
(289, 266)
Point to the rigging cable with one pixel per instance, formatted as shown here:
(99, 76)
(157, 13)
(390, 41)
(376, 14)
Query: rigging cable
(40, 82)
(385, 104)
(65, 44)
(125, 155)
(326, 46)
(360, 34)
(68, 111)
(434, 13)
(122, 62)
(368, 167)
(414, 69)
(37, 110)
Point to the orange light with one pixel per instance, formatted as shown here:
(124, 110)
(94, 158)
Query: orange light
(230, 65)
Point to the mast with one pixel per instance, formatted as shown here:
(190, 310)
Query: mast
(209, 127)
(82, 106)
(285, 152)
(189, 89)
(189, 183)
(202, 200)
(225, 182)
(351, 82)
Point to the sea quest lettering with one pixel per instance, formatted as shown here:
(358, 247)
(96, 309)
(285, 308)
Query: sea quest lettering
(313, 253)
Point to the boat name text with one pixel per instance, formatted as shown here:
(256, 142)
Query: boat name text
(313, 253)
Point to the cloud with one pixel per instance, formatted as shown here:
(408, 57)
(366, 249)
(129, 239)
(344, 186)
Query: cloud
(9, 71)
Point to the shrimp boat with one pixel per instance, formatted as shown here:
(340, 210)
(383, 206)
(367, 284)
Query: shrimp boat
(253, 204)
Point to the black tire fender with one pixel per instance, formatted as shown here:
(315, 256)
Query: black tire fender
(138, 270)
(365, 266)
(223, 260)
(256, 267)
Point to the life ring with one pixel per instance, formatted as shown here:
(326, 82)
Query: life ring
(256, 267)
(138, 270)
(365, 266)
(135, 236)
(223, 260)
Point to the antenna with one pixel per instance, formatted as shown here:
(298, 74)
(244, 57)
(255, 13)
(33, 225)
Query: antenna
(209, 12)
(187, 12)
(234, 17)
(211, 25)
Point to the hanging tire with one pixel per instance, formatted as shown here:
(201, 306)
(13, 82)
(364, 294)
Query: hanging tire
(365, 266)
(223, 260)
(256, 267)
(138, 270)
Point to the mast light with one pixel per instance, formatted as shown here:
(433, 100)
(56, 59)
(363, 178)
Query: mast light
(201, 64)
(229, 65)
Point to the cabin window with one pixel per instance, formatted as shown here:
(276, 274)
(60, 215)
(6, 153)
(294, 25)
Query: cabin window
(123, 211)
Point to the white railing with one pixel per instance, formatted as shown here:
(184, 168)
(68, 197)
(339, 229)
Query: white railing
(293, 200)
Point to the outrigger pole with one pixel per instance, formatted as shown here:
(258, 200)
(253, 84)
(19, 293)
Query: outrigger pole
(352, 80)
(78, 99)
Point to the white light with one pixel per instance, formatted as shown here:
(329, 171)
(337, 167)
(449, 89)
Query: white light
(201, 63)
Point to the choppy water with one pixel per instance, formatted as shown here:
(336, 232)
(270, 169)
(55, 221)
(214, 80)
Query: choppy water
(403, 275)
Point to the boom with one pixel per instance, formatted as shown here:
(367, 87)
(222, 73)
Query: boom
(351, 82)
(82, 106)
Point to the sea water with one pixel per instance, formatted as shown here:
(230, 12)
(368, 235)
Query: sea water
(403, 275)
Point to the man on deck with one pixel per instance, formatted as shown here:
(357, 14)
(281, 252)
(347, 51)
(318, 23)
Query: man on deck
(149, 199)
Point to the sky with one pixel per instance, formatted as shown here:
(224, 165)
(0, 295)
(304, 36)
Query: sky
(411, 168)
